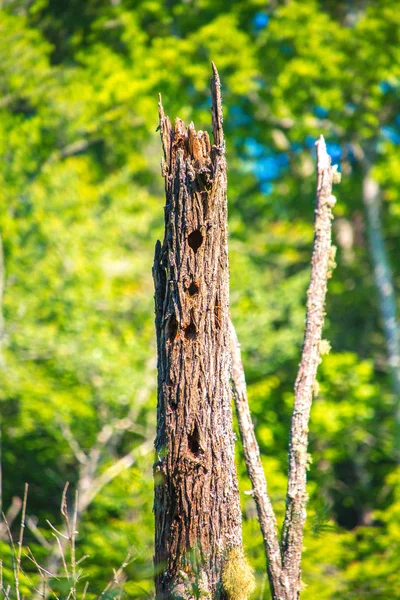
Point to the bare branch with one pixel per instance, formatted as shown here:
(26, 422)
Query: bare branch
(13, 556)
(165, 133)
(116, 582)
(62, 555)
(20, 542)
(85, 590)
(31, 524)
(217, 115)
(29, 554)
(113, 471)
(57, 533)
(75, 147)
(112, 432)
(296, 495)
(11, 515)
(255, 470)
(72, 442)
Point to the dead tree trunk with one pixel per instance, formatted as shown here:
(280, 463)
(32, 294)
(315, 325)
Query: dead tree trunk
(197, 509)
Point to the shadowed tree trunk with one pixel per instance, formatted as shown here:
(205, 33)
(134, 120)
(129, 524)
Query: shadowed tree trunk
(197, 509)
(386, 292)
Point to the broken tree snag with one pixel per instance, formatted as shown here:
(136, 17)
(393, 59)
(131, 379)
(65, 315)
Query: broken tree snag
(321, 263)
(197, 509)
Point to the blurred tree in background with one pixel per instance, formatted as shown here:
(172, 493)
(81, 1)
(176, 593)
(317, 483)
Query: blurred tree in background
(81, 208)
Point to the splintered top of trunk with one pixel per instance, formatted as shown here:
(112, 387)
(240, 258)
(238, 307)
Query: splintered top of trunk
(187, 142)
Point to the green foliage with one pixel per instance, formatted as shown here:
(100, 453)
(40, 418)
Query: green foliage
(81, 208)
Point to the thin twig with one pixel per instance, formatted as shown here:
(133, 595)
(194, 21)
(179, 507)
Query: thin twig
(20, 542)
(12, 547)
(62, 554)
(31, 524)
(44, 574)
(85, 590)
(117, 574)
(113, 471)
(7, 592)
(11, 515)
(72, 442)
(56, 530)
(72, 539)
(29, 554)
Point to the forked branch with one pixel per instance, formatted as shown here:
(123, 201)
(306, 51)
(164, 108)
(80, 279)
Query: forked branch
(284, 562)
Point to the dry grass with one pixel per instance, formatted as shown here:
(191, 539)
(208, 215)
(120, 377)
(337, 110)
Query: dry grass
(65, 547)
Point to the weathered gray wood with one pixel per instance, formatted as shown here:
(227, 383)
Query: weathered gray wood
(284, 560)
(266, 516)
(197, 509)
(296, 499)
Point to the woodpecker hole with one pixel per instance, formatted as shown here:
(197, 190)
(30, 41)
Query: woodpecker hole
(191, 331)
(193, 289)
(195, 240)
(194, 442)
(172, 328)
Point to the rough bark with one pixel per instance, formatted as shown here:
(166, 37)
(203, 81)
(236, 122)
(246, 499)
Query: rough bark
(197, 509)
(296, 500)
(384, 284)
